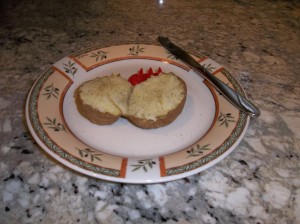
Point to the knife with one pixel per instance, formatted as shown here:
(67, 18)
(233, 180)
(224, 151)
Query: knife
(233, 97)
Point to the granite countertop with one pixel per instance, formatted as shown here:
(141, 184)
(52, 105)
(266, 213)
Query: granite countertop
(257, 41)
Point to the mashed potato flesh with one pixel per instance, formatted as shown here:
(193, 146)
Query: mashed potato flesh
(108, 94)
(156, 96)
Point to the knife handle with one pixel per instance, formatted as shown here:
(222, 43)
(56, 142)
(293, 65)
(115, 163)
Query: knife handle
(233, 97)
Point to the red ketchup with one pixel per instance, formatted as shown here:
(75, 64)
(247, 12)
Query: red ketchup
(141, 76)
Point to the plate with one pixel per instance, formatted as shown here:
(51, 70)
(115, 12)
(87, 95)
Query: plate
(206, 131)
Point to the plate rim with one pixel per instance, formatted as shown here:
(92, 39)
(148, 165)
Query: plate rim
(124, 180)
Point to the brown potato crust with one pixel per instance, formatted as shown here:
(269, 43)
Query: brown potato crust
(92, 114)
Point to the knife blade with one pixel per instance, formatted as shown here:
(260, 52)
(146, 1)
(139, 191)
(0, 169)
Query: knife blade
(232, 96)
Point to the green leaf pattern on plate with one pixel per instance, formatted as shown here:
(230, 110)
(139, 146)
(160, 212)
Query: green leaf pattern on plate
(197, 150)
(102, 55)
(53, 124)
(209, 67)
(70, 68)
(225, 119)
(144, 164)
(92, 154)
(51, 91)
(135, 50)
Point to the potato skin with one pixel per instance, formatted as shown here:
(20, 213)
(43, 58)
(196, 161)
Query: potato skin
(93, 115)
(162, 120)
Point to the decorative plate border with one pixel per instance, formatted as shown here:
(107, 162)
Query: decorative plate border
(199, 156)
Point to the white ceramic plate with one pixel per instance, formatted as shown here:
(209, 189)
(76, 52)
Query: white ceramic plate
(207, 130)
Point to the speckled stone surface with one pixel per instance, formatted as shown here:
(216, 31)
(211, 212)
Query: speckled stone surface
(257, 41)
